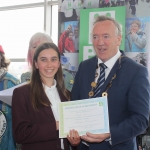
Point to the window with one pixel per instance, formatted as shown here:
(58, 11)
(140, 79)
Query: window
(17, 27)
(20, 19)
(18, 2)
(55, 24)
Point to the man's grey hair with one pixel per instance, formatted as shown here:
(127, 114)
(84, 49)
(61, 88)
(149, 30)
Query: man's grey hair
(105, 18)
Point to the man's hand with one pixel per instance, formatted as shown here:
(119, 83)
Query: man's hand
(74, 138)
(89, 137)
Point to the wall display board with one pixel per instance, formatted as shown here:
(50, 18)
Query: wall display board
(76, 46)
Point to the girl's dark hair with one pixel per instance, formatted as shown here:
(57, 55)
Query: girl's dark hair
(36, 87)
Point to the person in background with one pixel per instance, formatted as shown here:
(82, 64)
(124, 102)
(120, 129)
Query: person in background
(6, 81)
(107, 3)
(78, 5)
(37, 123)
(135, 38)
(67, 8)
(125, 84)
(76, 39)
(35, 40)
(133, 6)
(62, 38)
(91, 4)
(69, 44)
(113, 3)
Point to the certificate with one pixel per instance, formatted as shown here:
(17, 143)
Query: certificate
(88, 115)
(6, 95)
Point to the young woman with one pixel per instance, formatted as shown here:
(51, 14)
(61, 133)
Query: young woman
(35, 105)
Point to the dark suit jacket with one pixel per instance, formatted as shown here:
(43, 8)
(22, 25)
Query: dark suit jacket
(34, 130)
(128, 101)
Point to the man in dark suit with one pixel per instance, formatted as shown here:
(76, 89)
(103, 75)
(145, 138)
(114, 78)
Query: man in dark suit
(126, 86)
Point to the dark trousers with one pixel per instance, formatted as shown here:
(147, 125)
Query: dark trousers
(133, 8)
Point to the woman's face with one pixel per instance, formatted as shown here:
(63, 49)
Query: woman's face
(48, 64)
(70, 35)
(34, 46)
(134, 27)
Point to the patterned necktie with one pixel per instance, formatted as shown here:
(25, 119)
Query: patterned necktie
(100, 80)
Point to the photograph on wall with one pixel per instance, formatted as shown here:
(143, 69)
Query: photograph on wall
(70, 66)
(137, 46)
(68, 44)
(135, 39)
(137, 8)
(138, 57)
(68, 41)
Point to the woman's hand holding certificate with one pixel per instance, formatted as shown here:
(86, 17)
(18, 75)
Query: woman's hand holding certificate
(74, 137)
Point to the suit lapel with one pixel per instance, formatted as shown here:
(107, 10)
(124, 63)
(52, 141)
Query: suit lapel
(91, 76)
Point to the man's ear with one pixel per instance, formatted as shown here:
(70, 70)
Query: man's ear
(119, 40)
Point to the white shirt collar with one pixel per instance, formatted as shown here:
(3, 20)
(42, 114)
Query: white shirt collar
(110, 63)
(46, 88)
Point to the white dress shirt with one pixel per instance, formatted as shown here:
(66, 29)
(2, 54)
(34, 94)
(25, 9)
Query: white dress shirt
(110, 63)
(53, 96)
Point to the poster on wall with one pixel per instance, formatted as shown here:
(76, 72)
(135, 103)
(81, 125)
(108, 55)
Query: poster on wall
(68, 39)
(137, 36)
(89, 16)
(69, 18)
(136, 39)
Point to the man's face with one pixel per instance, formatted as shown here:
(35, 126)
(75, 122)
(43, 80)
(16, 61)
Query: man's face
(76, 32)
(105, 40)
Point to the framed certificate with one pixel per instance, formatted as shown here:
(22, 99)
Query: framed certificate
(88, 115)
